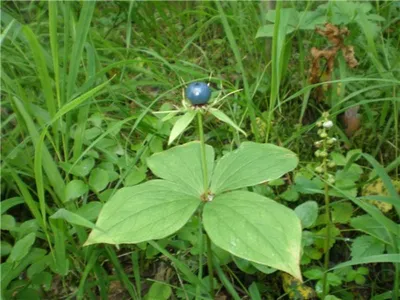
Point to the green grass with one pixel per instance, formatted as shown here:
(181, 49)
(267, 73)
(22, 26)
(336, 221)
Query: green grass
(80, 82)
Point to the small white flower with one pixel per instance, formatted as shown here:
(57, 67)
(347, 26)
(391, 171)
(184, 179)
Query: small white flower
(328, 124)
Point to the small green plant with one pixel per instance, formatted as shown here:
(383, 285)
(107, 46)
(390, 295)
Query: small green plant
(241, 222)
(17, 245)
(325, 144)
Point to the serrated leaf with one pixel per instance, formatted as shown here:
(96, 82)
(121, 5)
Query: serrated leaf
(251, 164)
(333, 279)
(182, 165)
(255, 228)
(224, 118)
(314, 273)
(320, 243)
(341, 212)
(98, 179)
(75, 189)
(338, 159)
(365, 245)
(307, 213)
(21, 248)
(148, 211)
(181, 124)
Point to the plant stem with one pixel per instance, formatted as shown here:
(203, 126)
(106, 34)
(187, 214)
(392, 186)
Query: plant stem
(210, 267)
(200, 241)
(328, 227)
(205, 178)
(203, 153)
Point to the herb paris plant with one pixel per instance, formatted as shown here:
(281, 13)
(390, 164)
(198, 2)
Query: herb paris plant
(243, 223)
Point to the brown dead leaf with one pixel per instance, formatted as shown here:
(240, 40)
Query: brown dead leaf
(348, 53)
(336, 37)
(333, 34)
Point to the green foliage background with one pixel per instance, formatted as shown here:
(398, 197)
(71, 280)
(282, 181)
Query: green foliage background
(80, 81)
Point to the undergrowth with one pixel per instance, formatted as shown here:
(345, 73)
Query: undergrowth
(81, 83)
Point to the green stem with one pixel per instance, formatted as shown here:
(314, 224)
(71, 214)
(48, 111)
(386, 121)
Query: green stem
(328, 228)
(200, 241)
(203, 153)
(205, 180)
(210, 267)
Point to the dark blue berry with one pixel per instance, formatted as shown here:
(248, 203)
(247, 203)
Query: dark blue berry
(198, 93)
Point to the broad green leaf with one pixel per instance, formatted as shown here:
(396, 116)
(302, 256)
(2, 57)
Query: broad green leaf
(90, 211)
(290, 195)
(75, 189)
(250, 165)
(81, 169)
(98, 179)
(255, 228)
(182, 165)
(72, 218)
(21, 248)
(158, 291)
(268, 31)
(224, 118)
(135, 176)
(307, 213)
(149, 211)
(181, 124)
(365, 245)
